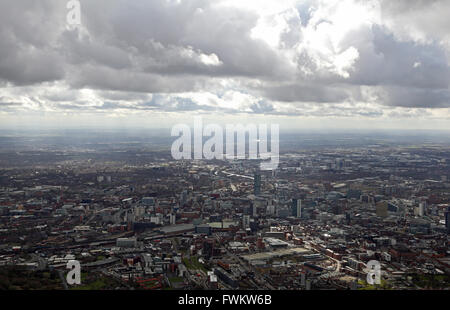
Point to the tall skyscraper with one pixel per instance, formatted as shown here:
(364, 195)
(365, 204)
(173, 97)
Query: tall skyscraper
(246, 221)
(421, 210)
(447, 220)
(183, 198)
(257, 184)
(254, 210)
(296, 207)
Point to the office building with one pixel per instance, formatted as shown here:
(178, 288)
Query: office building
(257, 184)
(296, 207)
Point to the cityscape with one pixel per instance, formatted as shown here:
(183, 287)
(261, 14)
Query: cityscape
(137, 219)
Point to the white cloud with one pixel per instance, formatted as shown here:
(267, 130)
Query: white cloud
(313, 58)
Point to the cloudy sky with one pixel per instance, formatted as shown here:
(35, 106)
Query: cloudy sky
(300, 63)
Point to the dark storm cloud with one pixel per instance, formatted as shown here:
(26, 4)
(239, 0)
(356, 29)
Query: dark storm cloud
(415, 97)
(28, 53)
(383, 60)
(168, 37)
(308, 92)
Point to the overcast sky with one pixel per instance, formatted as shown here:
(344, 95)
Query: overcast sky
(305, 63)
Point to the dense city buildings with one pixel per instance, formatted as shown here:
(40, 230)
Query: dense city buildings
(137, 219)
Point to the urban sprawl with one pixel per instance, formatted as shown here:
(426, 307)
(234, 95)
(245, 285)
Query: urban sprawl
(137, 219)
